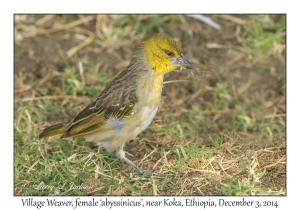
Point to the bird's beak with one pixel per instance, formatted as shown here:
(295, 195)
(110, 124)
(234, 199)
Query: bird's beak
(182, 62)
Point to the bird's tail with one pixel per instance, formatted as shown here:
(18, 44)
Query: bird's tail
(54, 130)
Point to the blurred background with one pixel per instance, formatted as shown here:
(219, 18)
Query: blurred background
(220, 130)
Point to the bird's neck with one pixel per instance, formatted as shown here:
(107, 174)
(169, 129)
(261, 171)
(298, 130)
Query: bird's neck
(157, 86)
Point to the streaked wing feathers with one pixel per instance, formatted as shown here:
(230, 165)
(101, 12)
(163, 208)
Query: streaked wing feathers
(114, 102)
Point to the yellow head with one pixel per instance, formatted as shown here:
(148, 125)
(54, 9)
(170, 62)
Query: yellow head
(164, 54)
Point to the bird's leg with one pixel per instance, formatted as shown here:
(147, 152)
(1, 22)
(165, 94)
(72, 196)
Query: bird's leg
(140, 171)
(121, 154)
(129, 162)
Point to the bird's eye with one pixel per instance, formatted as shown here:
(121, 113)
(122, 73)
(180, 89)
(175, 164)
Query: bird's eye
(169, 53)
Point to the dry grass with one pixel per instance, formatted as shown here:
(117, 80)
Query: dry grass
(220, 130)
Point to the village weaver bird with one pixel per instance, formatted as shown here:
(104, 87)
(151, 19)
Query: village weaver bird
(129, 103)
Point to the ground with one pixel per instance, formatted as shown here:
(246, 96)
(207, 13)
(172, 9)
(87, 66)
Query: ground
(220, 129)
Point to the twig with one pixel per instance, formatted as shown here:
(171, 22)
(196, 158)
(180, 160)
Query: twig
(206, 20)
(62, 27)
(50, 98)
(86, 42)
(44, 19)
(274, 164)
(172, 81)
(81, 72)
(233, 19)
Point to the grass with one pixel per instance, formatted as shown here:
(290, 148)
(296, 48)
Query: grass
(222, 136)
(264, 34)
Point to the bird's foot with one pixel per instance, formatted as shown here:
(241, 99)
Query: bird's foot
(139, 170)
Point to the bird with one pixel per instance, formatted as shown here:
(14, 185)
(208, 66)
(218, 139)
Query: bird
(129, 103)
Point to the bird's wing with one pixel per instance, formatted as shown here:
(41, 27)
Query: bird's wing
(115, 102)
